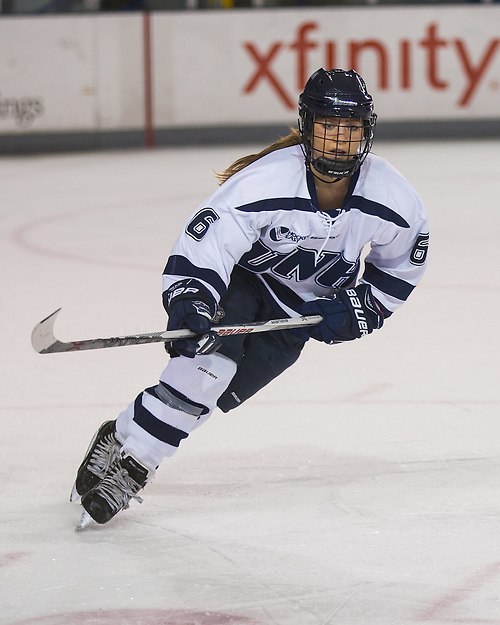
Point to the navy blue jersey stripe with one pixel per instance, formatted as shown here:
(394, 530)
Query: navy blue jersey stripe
(160, 430)
(278, 203)
(395, 287)
(377, 210)
(181, 266)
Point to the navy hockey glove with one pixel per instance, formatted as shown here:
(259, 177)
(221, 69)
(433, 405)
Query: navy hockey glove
(190, 305)
(347, 315)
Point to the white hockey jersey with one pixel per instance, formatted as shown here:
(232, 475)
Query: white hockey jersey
(266, 219)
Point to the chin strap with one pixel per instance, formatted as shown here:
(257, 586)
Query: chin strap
(324, 167)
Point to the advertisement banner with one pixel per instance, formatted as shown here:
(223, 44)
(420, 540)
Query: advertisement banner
(420, 63)
(174, 70)
(71, 73)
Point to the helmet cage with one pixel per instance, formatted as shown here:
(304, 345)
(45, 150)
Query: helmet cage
(337, 94)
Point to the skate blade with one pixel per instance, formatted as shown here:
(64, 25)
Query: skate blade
(75, 496)
(85, 521)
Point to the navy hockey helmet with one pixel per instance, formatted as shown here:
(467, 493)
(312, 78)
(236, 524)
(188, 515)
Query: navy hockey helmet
(342, 94)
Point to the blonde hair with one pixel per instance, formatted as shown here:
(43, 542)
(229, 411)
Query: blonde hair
(293, 138)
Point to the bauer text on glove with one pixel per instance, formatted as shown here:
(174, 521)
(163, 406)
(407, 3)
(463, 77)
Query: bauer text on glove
(347, 315)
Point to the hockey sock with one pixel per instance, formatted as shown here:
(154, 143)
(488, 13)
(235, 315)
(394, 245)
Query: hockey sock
(162, 416)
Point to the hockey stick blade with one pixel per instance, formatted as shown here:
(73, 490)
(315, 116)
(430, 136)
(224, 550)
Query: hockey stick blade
(44, 341)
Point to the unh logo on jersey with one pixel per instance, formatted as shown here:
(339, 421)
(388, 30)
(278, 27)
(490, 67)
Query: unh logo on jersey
(331, 270)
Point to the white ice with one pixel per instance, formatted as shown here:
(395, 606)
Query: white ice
(360, 488)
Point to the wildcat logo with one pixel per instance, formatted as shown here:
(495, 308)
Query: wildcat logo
(281, 232)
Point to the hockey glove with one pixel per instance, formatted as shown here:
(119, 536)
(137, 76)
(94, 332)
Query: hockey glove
(347, 315)
(190, 305)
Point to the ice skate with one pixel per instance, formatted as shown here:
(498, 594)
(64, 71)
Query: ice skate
(103, 450)
(126, 477)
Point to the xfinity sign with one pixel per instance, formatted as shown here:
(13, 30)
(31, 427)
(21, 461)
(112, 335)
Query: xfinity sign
(430, 57)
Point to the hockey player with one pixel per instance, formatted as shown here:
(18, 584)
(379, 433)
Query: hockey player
(281, 236)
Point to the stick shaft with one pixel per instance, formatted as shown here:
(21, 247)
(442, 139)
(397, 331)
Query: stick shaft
(44, 341)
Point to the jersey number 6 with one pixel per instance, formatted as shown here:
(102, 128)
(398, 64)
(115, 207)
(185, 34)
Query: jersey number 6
(419, 252)
(198, 226)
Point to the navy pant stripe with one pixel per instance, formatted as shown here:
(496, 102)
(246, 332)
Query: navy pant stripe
(160, 430)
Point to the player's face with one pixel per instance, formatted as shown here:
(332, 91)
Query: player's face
(337, 138)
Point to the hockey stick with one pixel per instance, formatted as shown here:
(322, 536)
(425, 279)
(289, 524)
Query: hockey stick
(44, 341)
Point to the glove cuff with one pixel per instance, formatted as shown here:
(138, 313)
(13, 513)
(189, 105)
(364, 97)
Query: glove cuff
(188, 289)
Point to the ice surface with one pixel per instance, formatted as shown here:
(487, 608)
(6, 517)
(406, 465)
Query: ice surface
(361, 488)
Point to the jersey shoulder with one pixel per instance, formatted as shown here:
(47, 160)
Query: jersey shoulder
(381, 183)
(261, 185)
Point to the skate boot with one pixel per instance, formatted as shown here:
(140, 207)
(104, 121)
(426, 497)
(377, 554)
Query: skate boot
(103, 450)
(126, 477)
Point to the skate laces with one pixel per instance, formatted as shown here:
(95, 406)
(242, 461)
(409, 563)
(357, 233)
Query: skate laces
(103, 456)
(118, 488)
